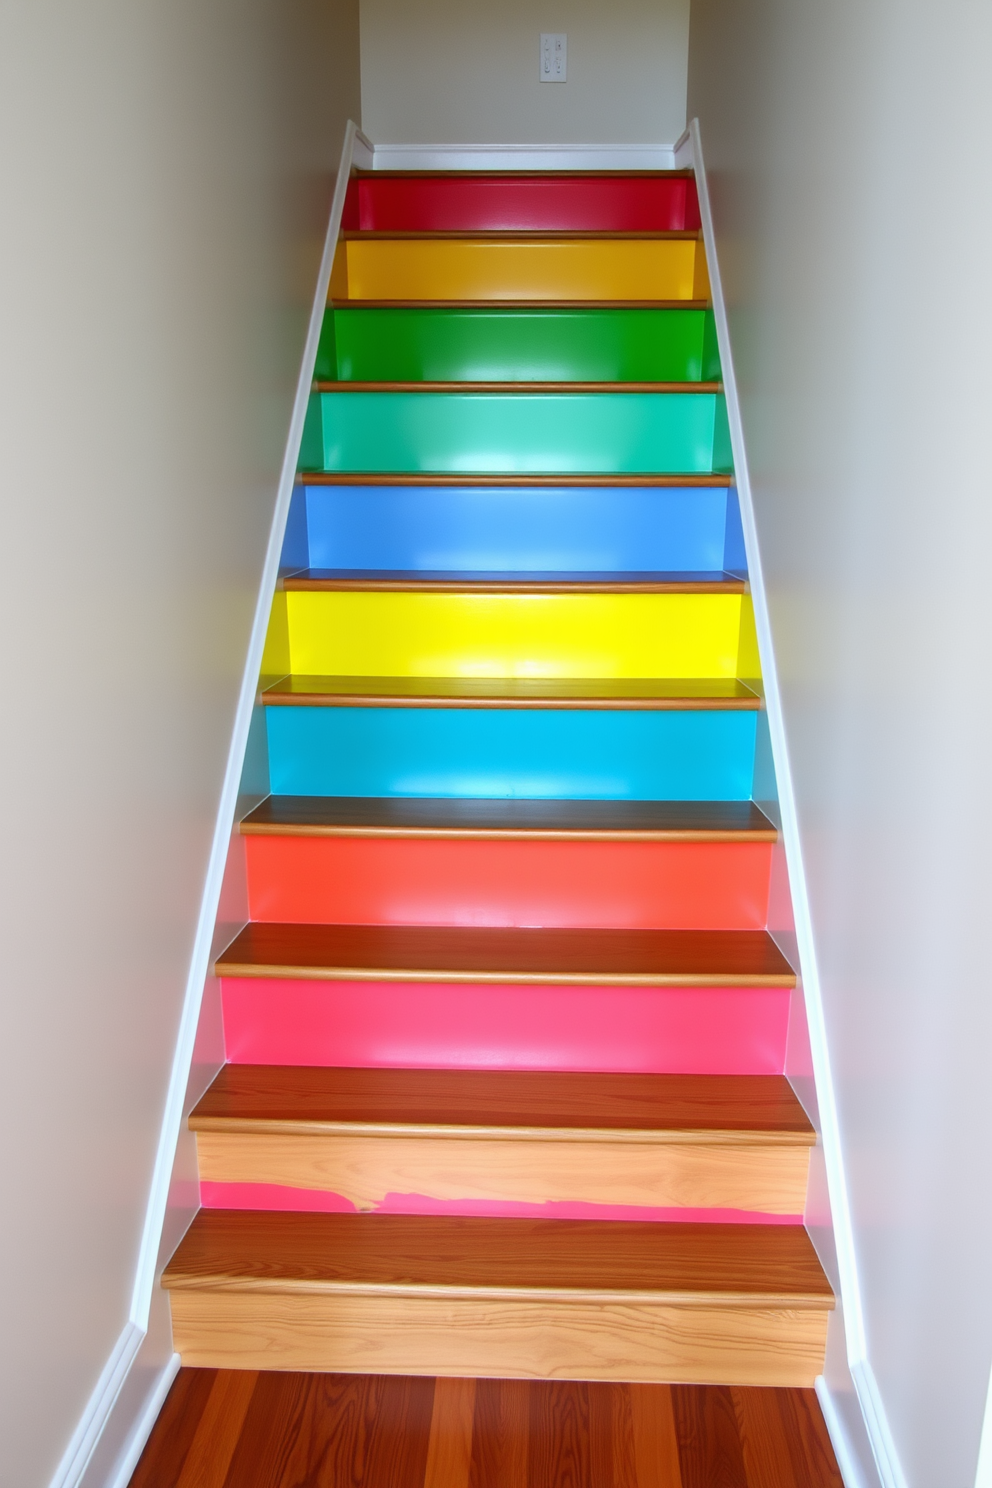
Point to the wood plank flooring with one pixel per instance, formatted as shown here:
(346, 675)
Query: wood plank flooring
(242, 1429)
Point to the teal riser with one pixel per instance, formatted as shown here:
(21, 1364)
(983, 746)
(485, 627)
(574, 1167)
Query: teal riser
(526, 433)
(704, 755)
(448, 344)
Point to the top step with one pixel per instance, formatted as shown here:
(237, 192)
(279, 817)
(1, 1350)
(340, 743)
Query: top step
(410, 201)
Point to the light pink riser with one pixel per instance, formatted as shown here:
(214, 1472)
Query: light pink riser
(649, 1030)
(317, 1201)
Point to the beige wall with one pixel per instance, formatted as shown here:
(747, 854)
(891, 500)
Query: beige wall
(166, 172)
(847, 145)
(466, 72)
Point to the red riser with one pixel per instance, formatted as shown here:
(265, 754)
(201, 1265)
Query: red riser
(442, 1025)
(273, 1196)
(567, 203)
(451, 881)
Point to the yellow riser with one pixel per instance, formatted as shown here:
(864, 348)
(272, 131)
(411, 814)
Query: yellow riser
(751, 1173)
(324, 1329)
(482, 269)
(364, 634)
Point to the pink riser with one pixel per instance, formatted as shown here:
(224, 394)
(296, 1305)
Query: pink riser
(317, 1201)
(649, 1030)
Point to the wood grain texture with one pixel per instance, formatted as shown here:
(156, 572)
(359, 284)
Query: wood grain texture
(449, 1454)
(314, 1254)
(624, 693)
(653, 821)
(440, 582)
(710, 1450)
(731, 958)
(784, 1439)
(501, 1435)
(218, 1433)
(165, 1451)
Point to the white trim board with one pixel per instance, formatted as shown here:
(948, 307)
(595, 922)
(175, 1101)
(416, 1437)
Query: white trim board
(112, 1408)
(689, 151)
(523, 157)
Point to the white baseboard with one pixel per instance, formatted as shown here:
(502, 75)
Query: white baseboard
(524, 157)
(77, 1455)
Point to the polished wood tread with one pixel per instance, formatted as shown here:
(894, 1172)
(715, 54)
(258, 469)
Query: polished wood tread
(428, 953)
(519, 235)
(272, 1097)
(468, 582)
(412, 816)
(531, 388)
(647, 174)
(623, 693)
(284, 1429)
(406, 1255)
(345, 304)
(544, 482)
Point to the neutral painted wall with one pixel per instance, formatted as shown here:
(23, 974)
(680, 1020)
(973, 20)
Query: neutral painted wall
(165, 171)
(856, 242)
(466, 72)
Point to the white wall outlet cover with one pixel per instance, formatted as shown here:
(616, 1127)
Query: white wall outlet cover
(554, 57)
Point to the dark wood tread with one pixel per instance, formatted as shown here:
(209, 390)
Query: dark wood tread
(520, 235)
(537, 481)
(517, 387)
(756, 1265)
(467, 1103)
(412, 816)
(501, 304)
(466, 582)
(458, 953)
(626, 693)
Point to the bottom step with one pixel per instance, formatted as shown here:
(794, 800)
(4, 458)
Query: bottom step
(704, 1304)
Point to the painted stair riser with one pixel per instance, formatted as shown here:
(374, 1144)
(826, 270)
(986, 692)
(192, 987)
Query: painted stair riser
(447, 881)
(513, 1176)
(508, 203)
(443, 1025)
(369, 634)
(438, 269)
(517, 433)
(705, 755)
(517, 345)
(593, 529)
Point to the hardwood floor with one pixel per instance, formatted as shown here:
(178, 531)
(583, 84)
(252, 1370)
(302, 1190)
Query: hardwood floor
(242, 1429)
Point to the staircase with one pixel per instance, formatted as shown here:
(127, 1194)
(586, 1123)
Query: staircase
(506, 1033)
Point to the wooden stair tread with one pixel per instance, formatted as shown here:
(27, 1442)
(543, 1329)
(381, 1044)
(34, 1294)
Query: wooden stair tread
(760, 1265)
(593, 480)
(511, 692)
(416, 816)
(647, 173)
(470, 953)
(268, 1096)
(526, 235)
(501, 304)
(517, 386)
(468, 582)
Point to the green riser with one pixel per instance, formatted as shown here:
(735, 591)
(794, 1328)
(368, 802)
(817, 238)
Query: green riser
(461, 345)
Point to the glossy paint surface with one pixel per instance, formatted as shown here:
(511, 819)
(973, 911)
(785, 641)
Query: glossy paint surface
(450, 881)
(647, 1030)
(519, 269)
(571, 203)
(543, 528)
(365, 634)
(609, 755)
(529, 433)
(517, 345)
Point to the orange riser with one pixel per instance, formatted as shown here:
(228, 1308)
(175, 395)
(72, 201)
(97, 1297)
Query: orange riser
(444, 881)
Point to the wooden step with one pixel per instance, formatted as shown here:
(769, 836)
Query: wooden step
(426, 953)
(661, 1144)
(641, 821)
(624, 693)
(720, 1304)
(439, 581)
(336, 303)
(423, 385)
(518, 235)
(583, 479)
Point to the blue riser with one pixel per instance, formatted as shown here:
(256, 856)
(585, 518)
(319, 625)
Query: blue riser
(600, 755)
(570, 529)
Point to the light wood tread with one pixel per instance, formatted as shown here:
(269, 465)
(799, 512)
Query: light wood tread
(412, 816)
(468, 582)
(512, 692)
(501, 1102)
(719, 478)
(517, 386)
(429, 953)
(401, 1255)
(520, 235)
(346, 304)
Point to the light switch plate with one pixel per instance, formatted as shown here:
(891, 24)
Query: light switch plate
(554, 57)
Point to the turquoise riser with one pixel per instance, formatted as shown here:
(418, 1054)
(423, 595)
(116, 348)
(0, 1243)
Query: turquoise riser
(598, 755)
(515, 529)
(527, 433)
